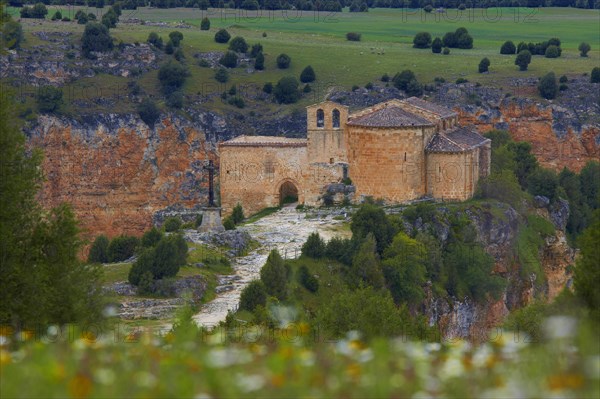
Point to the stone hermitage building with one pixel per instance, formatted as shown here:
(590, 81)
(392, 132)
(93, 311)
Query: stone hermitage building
(397, 151)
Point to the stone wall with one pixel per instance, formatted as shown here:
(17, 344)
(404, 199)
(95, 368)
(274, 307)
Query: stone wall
(450, 176)
(326, 141)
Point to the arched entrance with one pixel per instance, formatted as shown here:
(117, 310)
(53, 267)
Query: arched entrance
(288, 193)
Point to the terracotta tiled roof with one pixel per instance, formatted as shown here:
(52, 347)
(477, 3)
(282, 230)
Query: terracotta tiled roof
(436, 109)
(456, 140)
(264, 141)
(390, 116)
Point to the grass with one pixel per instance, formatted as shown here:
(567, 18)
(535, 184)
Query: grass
(115, 272)
(529, 242)
(261, 214)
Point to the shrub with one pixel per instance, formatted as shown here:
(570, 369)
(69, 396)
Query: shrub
(523, 59)
(122, 248)
(57, 16)
(385, 77)
(355, 87)
(446, 51)
(543, 182)
(169, 48)
(369, 86)
(584, 48)
(307, 88)
(314, 247)
(286, 90)
(205, 24)
(172, 76)
(155, 40)
(462, 6)
(229, 60)
(307, 75)
(151, 237)
(99, 250)
(449, 40)
(428, 8)
(268, 88)
(436, 45)
(167, 258)
(142, 267)
(221, 75)
(563, 87)
(283, 61)
(274, 276)
(508, 48)
(563, 79)
(49, 99)
(110, 19)
(372, 219)
(95, 38)
(587, 272)
(256, 48)
(38, 11)
(595, 76)
(547, 86)
(253, 295)
(414, 88)
(422, 40)
(401, 79)
(353, 36)
(484, 65)
(522, 46)
(148, 112)
(12, 35)
(172, 224)
(259, 62)
(176, 37)
(238, 44)
(552, 52)
(228, 223)
(222, 36)
(238, 214)
(307, 280)
(175, 99)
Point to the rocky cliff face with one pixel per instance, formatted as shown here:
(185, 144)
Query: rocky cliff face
(118, 174)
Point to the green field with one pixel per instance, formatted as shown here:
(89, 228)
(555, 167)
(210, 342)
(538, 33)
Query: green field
(386, 46)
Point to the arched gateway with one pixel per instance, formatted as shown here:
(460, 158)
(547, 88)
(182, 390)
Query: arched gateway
(288, 192)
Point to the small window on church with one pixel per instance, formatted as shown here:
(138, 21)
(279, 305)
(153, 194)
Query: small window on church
(335, 116)
(330, 160)
(320, 118)
(404, 157)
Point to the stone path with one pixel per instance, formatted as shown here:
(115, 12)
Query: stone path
(286, 231)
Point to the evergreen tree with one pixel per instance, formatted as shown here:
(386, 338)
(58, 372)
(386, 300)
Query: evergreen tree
(307, 75)
(238, 212)
(274, 276)
(484, 65)
(259, 62)
(99, 250)
(548, 87)
(205, 24)
(436, 45)
(523, 60)
(587, 270)
(253, 295)
(365, 265)
(314, 247)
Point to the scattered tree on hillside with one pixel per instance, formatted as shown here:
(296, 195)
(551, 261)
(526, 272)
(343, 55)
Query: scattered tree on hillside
(436, 45)
(365, 265)
(508, 48)
(307, 75)
(595, 77)
(314, 247)
(548, 87)
(176, 38)
(283, 61)
(286, 91)
(523, 59)
(222, 36)
(238, 44)
(205, 24)
(229, 60)
(274, 276)
(95, 38)
(99, 250)
(253, 295)
(484, 65)
(422, 40)
(584, 48)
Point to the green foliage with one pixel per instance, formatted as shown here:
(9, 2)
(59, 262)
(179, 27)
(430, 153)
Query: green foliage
(595, 76)
(436, 45)
(229, 60)
(161, 261)
(446, 51)
(286, 91)
(221, 75)
(274, 276)
(365, 267)
(259, 62)
(175, 99)
(176, 38)
(414, 88)
(530, 239)
(307, 75)
(95, 38)
(205, 24)
(141, 266)
(283, 61)
(484, 65)
(155, 40)
(151, 237)
(587, 270)
(238, 44)
(12, 35)
(122, 248)
(38, 11)
(552, 52)
(523, 59)
(353, 36)
(228, 223)
(172, 76)
(458, 39)
(172, 224)
(584, 48)
(341, 250)
(222, 36)
(404, 269)
(314, 247)
(99, 250)
(253, 295)
(563, 79)
(503, 186)
(179, 55)
(372, 219)
(422, 40)
(307, 280)
(402, 79)
(237, 215)
(590, 184)
(110, 19)
(49, 99)
(543, 182)
(57, 16)
(526, 163)
(169, 48)
(508, 48)
(256, 48)
(148, 112)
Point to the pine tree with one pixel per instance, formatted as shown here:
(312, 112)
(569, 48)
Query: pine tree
(274, 275)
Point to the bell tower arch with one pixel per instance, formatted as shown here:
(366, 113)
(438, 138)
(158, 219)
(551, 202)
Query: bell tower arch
(326, 129)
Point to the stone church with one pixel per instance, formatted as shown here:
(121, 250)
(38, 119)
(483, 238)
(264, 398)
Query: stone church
(396, 151)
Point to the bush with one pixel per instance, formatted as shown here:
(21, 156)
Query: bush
(584, 48)
(172, 76)
(484, 65)
(552, 52)
(99, 250)
(523, 59)
(12, 35)
(205, 24)
(428, 8)
(228, 223)
(259, 62)
(268, 88)
(548, 87)
(155, 40)
(286, 90)
(307, 280)
(563, 79)
(422, 40)
(176, 38)
(414, 88)
(462, 6)
(221, 75)
(95, 38)
(148, 112)
(57, 16)
(229, 60)
(314, 247)
(543, 182)
(151, 237)
(595, 76)
(446, 51)
(38, 11)
(508, 48)
(306, 88)
(353, 36)
(563, 87)
(458, 39)
(179, 55)
(402, 79)
(110, 19)
(436, 45)
(253, 295)
(369, 86)
(222, 36)
(385, 77)
(370, 219)
(587, 272)
(49, 99)
(175, 100)
(307, 75)
(122, 248)
(169, 48)
(283, 61)
(238, 214)
(167, 258)
(256, 48)
(238, 44)
(142, 267)
(274, 276)
(172, 224)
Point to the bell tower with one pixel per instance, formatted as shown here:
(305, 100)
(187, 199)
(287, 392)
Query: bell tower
(326, 127)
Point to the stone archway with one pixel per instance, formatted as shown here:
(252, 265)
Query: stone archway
(288, 192)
